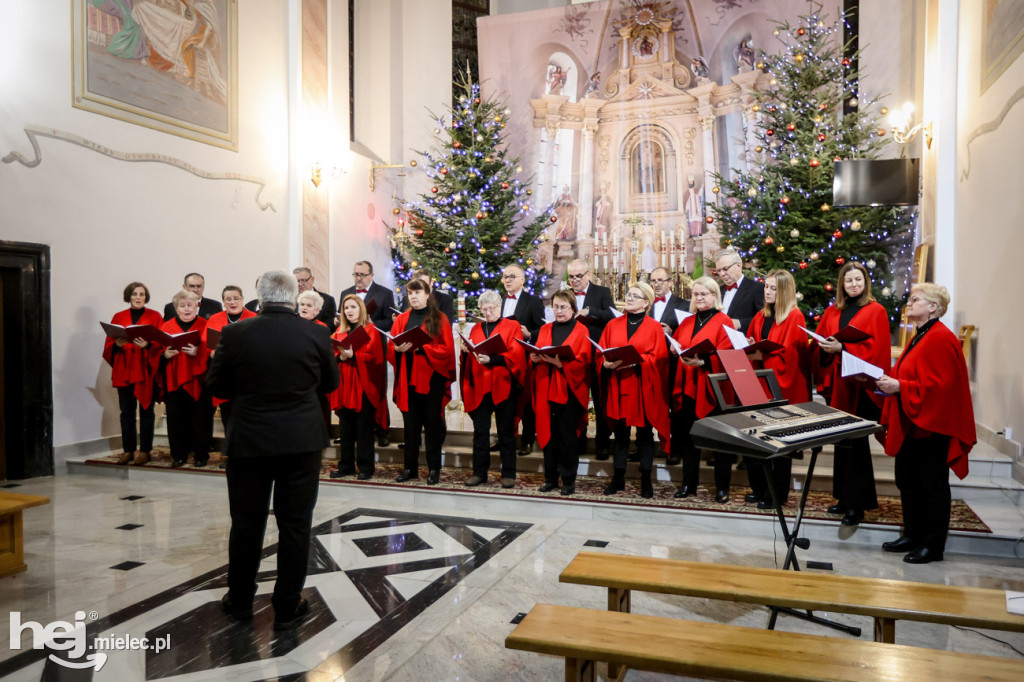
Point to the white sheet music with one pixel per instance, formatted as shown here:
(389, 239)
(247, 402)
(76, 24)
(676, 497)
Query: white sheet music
(739, 340)
(816, 337)
(677, 347)
(682, 315)
(853, 365)
(616, 312)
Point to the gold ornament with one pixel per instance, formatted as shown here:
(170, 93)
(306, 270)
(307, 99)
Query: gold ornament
(855, 226)
(413, 163)
(529, 192)
(798, 57)
(716, 190)
(751, 192)
(826, 207)
(756, 108)
(396, 211)
(817, 119)
(529, 261)
(758, 149)
(483, 250)
(487, 159)
(414, 264)
(780, 249)
(883, 111)
(814, 255)
(475, 275)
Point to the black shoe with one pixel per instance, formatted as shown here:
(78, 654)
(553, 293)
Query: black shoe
(633, 456)
(765, 504)
(547, 487)
(202, 462)
(837, 508)
(903, 544)
(684, 491)
(336, 441)
(342, 472)
(601, 455)
(751, 498)
(364, 476)
(722, 496)
(296, 617)
(923, 555)
(672, 461)
(433, 477)
(646, 487)
(177, 463)
(852, 517)
(407, 475)
(383, 441)
(237, 612)
(568, 489)
(525, 447)
(618, 482)
(495, 448)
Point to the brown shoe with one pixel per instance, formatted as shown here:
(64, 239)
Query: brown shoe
(141, 458)
(474, 481)
(508, 483)
(125, 458)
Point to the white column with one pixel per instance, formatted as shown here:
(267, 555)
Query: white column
(707, 128)
(586, 210)
(547, 175)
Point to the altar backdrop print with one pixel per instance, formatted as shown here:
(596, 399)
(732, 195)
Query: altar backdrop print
(622, 110)
(170, 65)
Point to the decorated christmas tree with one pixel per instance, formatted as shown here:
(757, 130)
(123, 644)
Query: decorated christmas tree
(778, 214)
(477, 217)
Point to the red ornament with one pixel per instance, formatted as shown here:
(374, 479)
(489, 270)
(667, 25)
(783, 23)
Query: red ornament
(828, 286)
(768, 241)
(817, 318)
(466, 282)
(444, 171)
(709, 220)
(791, 127)
(840, 260)
(433, 190)
(837, 234)
(846, 62)
(401, 222)
(823, 107)
(456, 144)
(419, 233)
(837, 158)
(803, 265)
(476, 101)
(815, 163)
(504, 238)
(785, 200)
(554, 219)
(769, 132)
(479, 215)
(504, 185)
(800, 31)
(821, 137)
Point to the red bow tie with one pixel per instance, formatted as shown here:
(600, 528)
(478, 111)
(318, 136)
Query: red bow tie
(360, 291)
(731, 287)
(659, 299)
(511, 297)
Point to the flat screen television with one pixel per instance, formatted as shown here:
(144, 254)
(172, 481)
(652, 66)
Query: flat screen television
(876, 182)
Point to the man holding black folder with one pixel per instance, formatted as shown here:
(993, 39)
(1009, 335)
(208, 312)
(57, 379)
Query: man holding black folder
(742, 297)
(528, 311)
(378, 299)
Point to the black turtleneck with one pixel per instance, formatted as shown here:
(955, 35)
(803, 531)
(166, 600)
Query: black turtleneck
(185, 326)
(920, 332)
(234, 318)
(416, 317)
(560, 331)
(136, 314)
(633, 321)
(489, 327)
(769, 321)
(847, 314)
(701, 317)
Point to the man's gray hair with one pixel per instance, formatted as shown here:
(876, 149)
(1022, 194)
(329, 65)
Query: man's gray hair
(277, 286)
(730, 253)
(489, 297)
(303, 270)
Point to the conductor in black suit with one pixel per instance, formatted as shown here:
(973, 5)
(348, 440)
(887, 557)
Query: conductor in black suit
(445, 303)
(273, 368)
(742, 297)
(196, 283)
(595, 302)
(329, 309)
(368, 290)
(528, 311)
(664, 311)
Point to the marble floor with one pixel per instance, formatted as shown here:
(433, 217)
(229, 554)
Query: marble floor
(398, 593)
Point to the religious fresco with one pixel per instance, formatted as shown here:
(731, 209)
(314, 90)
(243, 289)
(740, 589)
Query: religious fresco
(623, 110)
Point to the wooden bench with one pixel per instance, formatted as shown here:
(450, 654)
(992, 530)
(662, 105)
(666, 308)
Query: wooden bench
(12, 552)
(585, 637)
(884, 600)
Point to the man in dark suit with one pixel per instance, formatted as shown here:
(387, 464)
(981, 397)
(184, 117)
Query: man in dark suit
(196, 283)
(368, 290)
(273, 368)
(329, 309)
(594, 302)
(445, 303)
(664, 311)
(528, 311)
(742, 297)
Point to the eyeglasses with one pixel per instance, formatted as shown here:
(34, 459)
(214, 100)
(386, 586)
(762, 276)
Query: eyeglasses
(562, 308)
(358, 274)
(703, 294)
(726, 268)
(635, 297)
(304, 280)
(510, 276)
(659, 281)
(579, 276)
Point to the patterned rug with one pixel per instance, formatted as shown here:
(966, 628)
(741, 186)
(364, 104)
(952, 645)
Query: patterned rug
(590, 489)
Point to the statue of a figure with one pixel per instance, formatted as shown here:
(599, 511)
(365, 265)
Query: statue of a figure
(556, 79)
(603, 209)
(693, 206)
(744, 54)
(700, 69)
(592, 86)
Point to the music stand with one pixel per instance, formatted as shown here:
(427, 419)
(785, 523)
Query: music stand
(768, 375)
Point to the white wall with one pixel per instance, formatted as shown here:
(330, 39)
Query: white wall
(109, 222)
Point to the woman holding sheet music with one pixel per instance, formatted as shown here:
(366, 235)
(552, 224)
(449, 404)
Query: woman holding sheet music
(423, 378)
(189, 408)
(360, 401)
(234, 311)
(692, 394)
(853, 483)
(492, 382)
(561, 385)
(782, 322)
(635, 388)
(133, 370)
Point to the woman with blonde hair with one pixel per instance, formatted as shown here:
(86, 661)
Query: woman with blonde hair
(780, 321)
(188, 403)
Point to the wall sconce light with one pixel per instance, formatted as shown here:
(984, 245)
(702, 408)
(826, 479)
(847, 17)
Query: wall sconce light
(901, 130)
(317, 173)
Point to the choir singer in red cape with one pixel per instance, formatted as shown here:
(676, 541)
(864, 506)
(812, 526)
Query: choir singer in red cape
(360, 401)
(188, 402)
(561, 388)
(780, 321)
(133, 371)
(423, 380)
(492, 384)
(853, 482)
(637, 394)
(234, 311)
(929, 420)
(692, 393)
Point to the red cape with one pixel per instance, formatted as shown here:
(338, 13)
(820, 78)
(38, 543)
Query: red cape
(876, 349)
(693, 381)
(476, 380)
(935, 395)
(644, 398)
(361, 375)
(186, 371)
(553, 385)
(131, 365)
(437, 356)
(791, 362)
(218, 321)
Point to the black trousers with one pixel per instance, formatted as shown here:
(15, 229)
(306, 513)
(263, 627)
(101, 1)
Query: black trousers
(853, 482)
(562, 453)
(691, 454)
(355, 452)
(528, 424)
(425, 417)
(602, 438)
(129, 404)
(644, 444)
(505, 421)
(294, 480)
(922, 475)
(781, 469)
(189, 424)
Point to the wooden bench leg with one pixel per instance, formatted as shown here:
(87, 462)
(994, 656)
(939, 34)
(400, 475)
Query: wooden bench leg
(885, 630)
(580, 670)
(619, 600)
